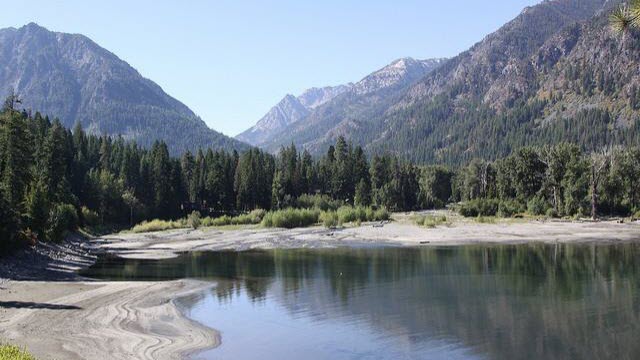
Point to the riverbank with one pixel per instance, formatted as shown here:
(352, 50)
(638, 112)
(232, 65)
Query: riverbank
(401, 232)
(47, 308)
(56, 314)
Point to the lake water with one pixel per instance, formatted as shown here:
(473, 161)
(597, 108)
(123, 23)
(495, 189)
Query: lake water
(472, 302)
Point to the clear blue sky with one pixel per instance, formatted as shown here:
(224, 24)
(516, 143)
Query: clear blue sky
(231, 60)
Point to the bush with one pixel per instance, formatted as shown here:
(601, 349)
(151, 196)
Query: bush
(552, 213)
(537, 206)
(194, 220)
(430, 221)
(252, 218)
(380, 215)
(479, 207)
(291, 218)
(89, 217)
(486, 220)
(12, 352)
(62, 219)
(322, 202)
(330, 219)
(349, 214)
(508, 208)
(159, 225)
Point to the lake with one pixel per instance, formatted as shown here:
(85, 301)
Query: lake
(531, 301)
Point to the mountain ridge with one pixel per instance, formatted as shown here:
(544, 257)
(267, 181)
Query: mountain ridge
(71, 77)
(395, 75)
(527, 83)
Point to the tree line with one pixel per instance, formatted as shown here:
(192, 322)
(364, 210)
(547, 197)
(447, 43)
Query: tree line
(53, 179)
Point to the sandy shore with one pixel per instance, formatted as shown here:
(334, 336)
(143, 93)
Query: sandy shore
(47, 308)
(400, 233)
(101, 320)
(56, 314)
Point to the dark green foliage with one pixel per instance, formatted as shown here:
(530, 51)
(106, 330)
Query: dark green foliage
(62, 218)
(555, 181)
(435, 187)
(108, 181)
(479, 207)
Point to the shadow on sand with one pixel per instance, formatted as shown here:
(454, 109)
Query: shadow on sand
(34, 305)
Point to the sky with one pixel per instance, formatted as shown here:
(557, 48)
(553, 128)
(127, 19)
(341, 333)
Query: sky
(230, 61)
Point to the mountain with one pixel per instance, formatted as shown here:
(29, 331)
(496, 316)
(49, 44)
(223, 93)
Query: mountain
(70, 77)
(554, 73)
(352, 100)
(289, 110)
(314, 97)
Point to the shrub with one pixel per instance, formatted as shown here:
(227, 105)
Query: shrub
(329, 219)
(12, 352)
(194, 220)
(291, 218)
(62, 219)
(222, 221)
(552, 213)
(158, 225)
(479, 207)
(508, 208)
(89, 217)
(430, 221)
(254, 217)
(349, 214)
(537, 206)
(486, 220)
(322, 202)
(381, 215)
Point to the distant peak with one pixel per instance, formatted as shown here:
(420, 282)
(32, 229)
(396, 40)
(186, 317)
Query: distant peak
(289, 98)
(33, 26)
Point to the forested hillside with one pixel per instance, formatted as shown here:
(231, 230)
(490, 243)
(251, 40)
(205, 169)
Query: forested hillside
(555, 73)
(323, 124)
(53, 179)
(72, 77)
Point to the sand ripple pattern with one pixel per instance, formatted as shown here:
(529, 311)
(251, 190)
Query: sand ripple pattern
(113, 320)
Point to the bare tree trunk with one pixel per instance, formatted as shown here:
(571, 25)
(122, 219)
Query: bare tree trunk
(594, 199)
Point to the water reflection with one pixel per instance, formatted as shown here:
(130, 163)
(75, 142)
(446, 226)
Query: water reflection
(498, 302)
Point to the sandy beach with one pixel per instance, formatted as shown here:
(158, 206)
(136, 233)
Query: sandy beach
(56, 314)
(112, 320)
(401, 232)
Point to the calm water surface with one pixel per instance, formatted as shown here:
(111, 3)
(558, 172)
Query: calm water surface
(474, 302)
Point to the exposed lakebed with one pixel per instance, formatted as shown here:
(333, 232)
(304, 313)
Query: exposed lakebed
(472, 302)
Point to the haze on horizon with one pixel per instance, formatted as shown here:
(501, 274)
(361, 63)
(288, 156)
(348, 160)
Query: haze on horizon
(231, 61)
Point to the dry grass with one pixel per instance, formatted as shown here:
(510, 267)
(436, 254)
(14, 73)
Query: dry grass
(12, 352)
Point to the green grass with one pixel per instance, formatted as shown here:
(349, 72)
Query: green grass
(252, 218)
(486, 220)
(287, 218)
(12, 352)
(431, 221)
(330, 219)
(159, 225)
(291, 218)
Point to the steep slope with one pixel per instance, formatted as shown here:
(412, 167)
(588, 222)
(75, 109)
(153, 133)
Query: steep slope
(554, 73)
(497, 96)
(74, 79)
(314, 97)
(286, 112)
(289, 110)
(363, 101)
